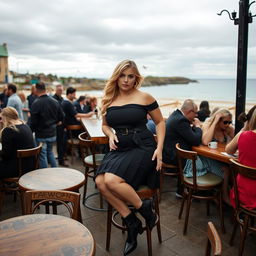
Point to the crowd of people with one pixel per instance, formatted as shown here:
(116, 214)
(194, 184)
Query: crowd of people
(41, 116)
(132, 121)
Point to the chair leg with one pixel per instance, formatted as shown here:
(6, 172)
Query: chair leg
(2, 195)
(149, 241)
(208, 248)
(85, 183)
(161, 185)
(231, 241)
(187, 211)
(23, 206)
(221, 213)
(109, 217)
(158, 225)
(184, 198)
(72, 154)
(54, 207)
(243, 235)
(101, 201)
(208, 208)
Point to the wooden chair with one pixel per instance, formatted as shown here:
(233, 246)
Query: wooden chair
(91, 160)
(214, 245)
(73, 142)
(208, 182)
(21, 155)
(35, 198)
(163, 172)
(243, 216)
(144, 193)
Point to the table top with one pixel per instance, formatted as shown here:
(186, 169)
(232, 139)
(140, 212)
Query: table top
(94, 128)
(52, 179)
(217, 154)
(45, 235)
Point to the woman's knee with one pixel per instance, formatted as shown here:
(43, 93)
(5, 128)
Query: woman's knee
(99, 180)
(111, 181)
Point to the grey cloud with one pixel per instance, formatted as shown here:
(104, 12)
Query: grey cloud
(167, 35)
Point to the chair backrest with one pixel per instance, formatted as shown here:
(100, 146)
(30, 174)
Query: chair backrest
(246, 171)
(34, 198)
(214, 246)
(184, 155)
(87, 146)
(28, 153)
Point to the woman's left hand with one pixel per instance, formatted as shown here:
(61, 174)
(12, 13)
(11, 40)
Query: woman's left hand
(158, 155)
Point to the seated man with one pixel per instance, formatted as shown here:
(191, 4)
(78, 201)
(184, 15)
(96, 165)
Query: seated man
(71, 115)
(80, 105)
(182, 127)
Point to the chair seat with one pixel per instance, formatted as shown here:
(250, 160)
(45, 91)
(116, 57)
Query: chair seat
(206, 180)
(98, 158)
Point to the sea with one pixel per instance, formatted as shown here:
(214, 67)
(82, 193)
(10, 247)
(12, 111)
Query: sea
(205, 89)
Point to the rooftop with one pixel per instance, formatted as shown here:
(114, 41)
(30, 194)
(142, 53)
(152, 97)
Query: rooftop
(3, 50)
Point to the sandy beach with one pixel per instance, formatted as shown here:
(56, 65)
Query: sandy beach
(169, 105)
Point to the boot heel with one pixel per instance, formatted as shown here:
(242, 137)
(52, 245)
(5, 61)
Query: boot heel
(140, 229)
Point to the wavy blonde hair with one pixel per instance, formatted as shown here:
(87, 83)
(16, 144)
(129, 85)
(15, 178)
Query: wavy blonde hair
(222, 111)
(111, 89)
(10, 115)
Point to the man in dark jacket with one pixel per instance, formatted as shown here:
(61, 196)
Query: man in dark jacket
(182, 127)
(46, 113)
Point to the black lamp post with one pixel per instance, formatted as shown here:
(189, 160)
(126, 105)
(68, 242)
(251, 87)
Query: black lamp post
(245, 17)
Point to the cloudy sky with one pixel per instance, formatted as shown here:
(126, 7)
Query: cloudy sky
(89, 37)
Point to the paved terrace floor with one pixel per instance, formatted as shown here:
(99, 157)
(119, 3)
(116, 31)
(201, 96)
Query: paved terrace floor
(174, 243)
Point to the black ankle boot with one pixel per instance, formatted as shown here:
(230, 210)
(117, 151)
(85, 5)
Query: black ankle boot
(134, 226)
(146, 210)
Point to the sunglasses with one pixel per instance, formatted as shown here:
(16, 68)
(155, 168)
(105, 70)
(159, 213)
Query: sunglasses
(227, 122)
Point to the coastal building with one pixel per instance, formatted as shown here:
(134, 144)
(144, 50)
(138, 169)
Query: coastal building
(4, 70)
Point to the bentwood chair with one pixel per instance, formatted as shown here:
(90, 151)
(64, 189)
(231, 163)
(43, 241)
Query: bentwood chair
(144, 192)
(11, 184)
(73, 142)
(165, 172)
(91, 160)
(207, 183)
(214, 245)
(71, 200)
(244, 217)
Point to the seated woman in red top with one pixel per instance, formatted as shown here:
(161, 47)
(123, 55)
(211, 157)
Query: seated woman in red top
(245, 142)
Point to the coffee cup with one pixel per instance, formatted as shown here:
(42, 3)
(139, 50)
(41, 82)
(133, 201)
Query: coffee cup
(213, 144)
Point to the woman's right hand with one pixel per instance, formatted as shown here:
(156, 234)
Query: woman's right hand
(112, 142)
(218, 117)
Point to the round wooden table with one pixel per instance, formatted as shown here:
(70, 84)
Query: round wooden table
(45, 235)
(52, 179)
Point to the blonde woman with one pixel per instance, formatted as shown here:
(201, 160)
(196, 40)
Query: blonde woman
(25, 109)
(14, 135)
(218, 127)
(134, 157)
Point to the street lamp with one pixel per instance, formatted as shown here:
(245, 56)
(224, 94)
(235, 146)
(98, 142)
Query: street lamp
(245, 17)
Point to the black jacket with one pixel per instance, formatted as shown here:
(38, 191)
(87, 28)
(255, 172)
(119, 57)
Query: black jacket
(179, 130)
(46, 112)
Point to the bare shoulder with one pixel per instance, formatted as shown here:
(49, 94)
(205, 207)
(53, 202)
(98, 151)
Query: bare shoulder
(145, 98)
